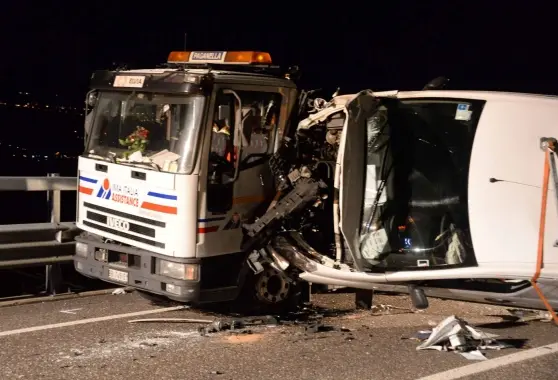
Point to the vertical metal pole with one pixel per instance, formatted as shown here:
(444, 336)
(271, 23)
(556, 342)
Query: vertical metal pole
(53, 197)
(53, 272)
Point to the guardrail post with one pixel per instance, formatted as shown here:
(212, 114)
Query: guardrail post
(53, 271)
(53, 200)
(53, 282)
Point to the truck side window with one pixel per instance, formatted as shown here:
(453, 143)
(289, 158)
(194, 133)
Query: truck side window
(260, 113)
(222, 130)
(221, 155)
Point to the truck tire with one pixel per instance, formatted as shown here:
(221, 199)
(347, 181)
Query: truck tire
(270, 292)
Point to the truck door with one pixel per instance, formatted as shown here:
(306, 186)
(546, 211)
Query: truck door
(246, 121)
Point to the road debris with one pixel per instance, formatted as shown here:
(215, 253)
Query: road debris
(525, 315)
(318, 327)
(387, 309)
(455, 334)
(237, 324)
(148, 344)
(76, 352)
(118, 291)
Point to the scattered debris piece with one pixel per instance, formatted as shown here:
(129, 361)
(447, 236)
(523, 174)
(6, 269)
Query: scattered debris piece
(454, 334)
(525, 315)
(118, 291)
(148, 344)
(77, 352)
(318, 327)
(216, 372)
(386, 309)
(170, 320)
(238, 324)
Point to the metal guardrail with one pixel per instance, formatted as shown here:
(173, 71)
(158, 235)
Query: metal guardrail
(51, 243)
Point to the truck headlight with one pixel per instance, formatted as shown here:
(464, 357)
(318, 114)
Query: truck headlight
(177, 270)
(81, 249)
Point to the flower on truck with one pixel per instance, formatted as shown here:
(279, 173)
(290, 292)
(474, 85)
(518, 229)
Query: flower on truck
(136, 141)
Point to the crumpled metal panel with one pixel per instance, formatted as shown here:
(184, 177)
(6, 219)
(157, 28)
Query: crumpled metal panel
(363, 106)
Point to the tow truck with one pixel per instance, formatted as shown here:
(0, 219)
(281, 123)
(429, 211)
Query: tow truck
(193, 187)
(176, 160)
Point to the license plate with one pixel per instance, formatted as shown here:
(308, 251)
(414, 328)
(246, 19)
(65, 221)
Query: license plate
(118, 275)
(128, 81)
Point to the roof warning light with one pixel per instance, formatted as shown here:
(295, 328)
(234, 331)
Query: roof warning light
(226, 57)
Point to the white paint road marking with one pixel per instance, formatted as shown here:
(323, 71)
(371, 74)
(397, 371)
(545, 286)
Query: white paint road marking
(473, 369)
(89, 320)
(71, 311)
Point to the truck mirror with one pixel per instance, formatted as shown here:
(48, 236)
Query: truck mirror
(91, 99)
(88, 125)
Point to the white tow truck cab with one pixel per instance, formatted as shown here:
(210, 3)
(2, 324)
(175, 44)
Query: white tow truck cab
(175, 161)
(444, 190)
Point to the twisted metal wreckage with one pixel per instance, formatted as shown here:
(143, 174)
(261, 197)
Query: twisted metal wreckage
(294, 236)
(334, 223)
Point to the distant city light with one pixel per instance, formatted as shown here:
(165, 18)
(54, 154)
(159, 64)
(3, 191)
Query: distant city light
(25, 101)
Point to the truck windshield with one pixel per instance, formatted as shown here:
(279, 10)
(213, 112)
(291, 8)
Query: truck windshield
(124, 123)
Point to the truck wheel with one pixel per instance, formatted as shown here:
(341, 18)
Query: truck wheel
(272, 287)
(272, 292)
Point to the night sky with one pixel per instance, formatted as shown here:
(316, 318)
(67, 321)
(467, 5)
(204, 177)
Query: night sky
(509, 45)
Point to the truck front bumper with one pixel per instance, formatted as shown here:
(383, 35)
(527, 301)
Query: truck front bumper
(138, 270)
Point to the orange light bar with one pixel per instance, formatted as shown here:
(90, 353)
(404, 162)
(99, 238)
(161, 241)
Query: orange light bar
(179, 57)
(247, 57)
(230, 57)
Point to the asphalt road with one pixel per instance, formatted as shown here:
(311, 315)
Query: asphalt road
(70, 340)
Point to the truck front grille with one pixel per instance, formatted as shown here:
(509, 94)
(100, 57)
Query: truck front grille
(101, 223)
